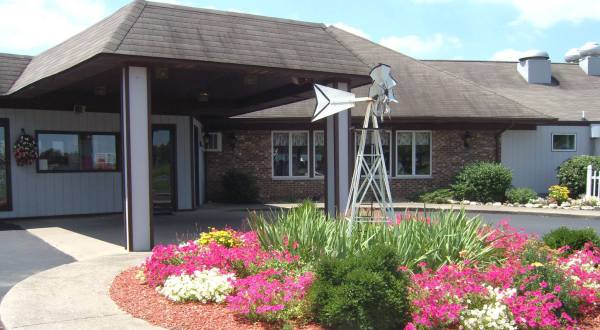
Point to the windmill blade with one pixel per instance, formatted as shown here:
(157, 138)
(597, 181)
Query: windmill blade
(331, 101)
(382, 76)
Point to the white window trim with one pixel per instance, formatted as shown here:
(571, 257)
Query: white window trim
(414, 154)
(563, 150)
(314, 153)
(291, 177)
(219, 147)
(390, 133)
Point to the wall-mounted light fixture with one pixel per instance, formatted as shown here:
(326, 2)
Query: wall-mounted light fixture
(467, 139)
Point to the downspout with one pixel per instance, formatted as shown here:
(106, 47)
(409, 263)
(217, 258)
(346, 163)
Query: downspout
(498, 137)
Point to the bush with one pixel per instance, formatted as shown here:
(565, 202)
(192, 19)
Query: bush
(520, 195)
(361, 292)
(439, 196)
(239, 187)
(575, 238)
(573, 171)
(482, 182)
(558, 194)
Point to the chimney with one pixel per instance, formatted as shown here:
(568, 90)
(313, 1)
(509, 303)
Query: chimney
(534, 67)
(590, 58)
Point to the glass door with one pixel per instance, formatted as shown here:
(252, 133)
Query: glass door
(5, 189)
(163, 168)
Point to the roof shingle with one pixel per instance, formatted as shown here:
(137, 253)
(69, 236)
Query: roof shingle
(423, 90)
(153, 29)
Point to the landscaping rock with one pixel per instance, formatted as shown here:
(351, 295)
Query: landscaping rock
(565, 204)
(497, 204)
(473, 203)
(587, 208)
(552, 205)
(529, 205)
(465, 202)
(509, 204)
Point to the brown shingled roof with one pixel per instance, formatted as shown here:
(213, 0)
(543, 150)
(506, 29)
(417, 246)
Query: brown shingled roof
(423, 90)
(11, 67)
(160, 30)
(571, 92)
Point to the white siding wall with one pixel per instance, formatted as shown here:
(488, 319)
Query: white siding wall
(529, 154)
(46, 194)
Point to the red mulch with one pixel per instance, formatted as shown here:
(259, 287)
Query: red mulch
(143, 302)
(590, 321)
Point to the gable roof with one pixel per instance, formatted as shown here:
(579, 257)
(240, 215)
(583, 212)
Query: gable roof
(158, 30)
(423, 90)
(11, 67)
(571, 92)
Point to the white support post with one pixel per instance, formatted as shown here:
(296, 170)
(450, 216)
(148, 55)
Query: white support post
(588, 184)
(337, 180)
(136, 146)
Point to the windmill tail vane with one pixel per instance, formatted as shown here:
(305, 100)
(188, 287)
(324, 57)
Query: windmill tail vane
(370, 181)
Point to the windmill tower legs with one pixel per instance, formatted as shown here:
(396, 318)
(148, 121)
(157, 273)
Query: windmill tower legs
(370, 178)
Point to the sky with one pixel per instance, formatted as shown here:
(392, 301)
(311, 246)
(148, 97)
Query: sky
(424, 29)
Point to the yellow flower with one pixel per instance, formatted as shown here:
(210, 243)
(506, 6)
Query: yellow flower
(537, 264)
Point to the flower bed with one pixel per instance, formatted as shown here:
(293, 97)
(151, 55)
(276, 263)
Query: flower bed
(503, 279)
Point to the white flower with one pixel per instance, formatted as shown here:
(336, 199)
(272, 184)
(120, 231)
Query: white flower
(490, 316)
(203, 286)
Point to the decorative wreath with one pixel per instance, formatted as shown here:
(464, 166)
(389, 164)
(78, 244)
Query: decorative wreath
(25, 150)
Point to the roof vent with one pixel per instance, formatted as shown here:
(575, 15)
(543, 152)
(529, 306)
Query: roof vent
(534, 67)
(572, 56)
(590, 58)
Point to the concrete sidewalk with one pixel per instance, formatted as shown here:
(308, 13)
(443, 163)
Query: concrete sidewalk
(71, 296)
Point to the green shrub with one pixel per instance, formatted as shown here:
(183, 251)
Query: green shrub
(436, 238)
(239, 187)
(361, 292)
(573, 171)
(438, 196)
(520, 195)
(575, 238)
(482, 182)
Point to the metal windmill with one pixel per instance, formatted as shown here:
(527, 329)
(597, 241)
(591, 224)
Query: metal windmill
(370, 177)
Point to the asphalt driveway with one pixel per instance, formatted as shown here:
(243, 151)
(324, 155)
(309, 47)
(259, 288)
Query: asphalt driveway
(541, 224)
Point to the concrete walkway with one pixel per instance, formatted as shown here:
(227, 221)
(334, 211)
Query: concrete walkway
(71, 296)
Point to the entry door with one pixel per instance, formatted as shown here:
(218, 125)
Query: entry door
(163, 168)
(5, 188)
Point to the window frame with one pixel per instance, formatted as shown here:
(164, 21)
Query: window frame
(413, 156)
(5, 122)
(314, 153)
(308, 149)
(219, 147)
(79, 135)
(563, 150)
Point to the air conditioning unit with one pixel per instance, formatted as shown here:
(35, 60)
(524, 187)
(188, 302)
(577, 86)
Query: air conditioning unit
(79, 108)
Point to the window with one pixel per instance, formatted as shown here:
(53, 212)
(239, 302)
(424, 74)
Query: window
(386, 139)
(72, 152)
(319, 153)
(213, 141)
(413, 153)
(564, 142)
(5, 187)
(290, 154)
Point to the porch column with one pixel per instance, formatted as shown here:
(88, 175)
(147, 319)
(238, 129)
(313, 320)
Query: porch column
(136, 143)
(337, 141)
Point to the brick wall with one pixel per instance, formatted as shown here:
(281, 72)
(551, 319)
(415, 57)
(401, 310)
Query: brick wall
(250, 151)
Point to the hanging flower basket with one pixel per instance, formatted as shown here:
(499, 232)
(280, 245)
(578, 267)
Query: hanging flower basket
(25, 150)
